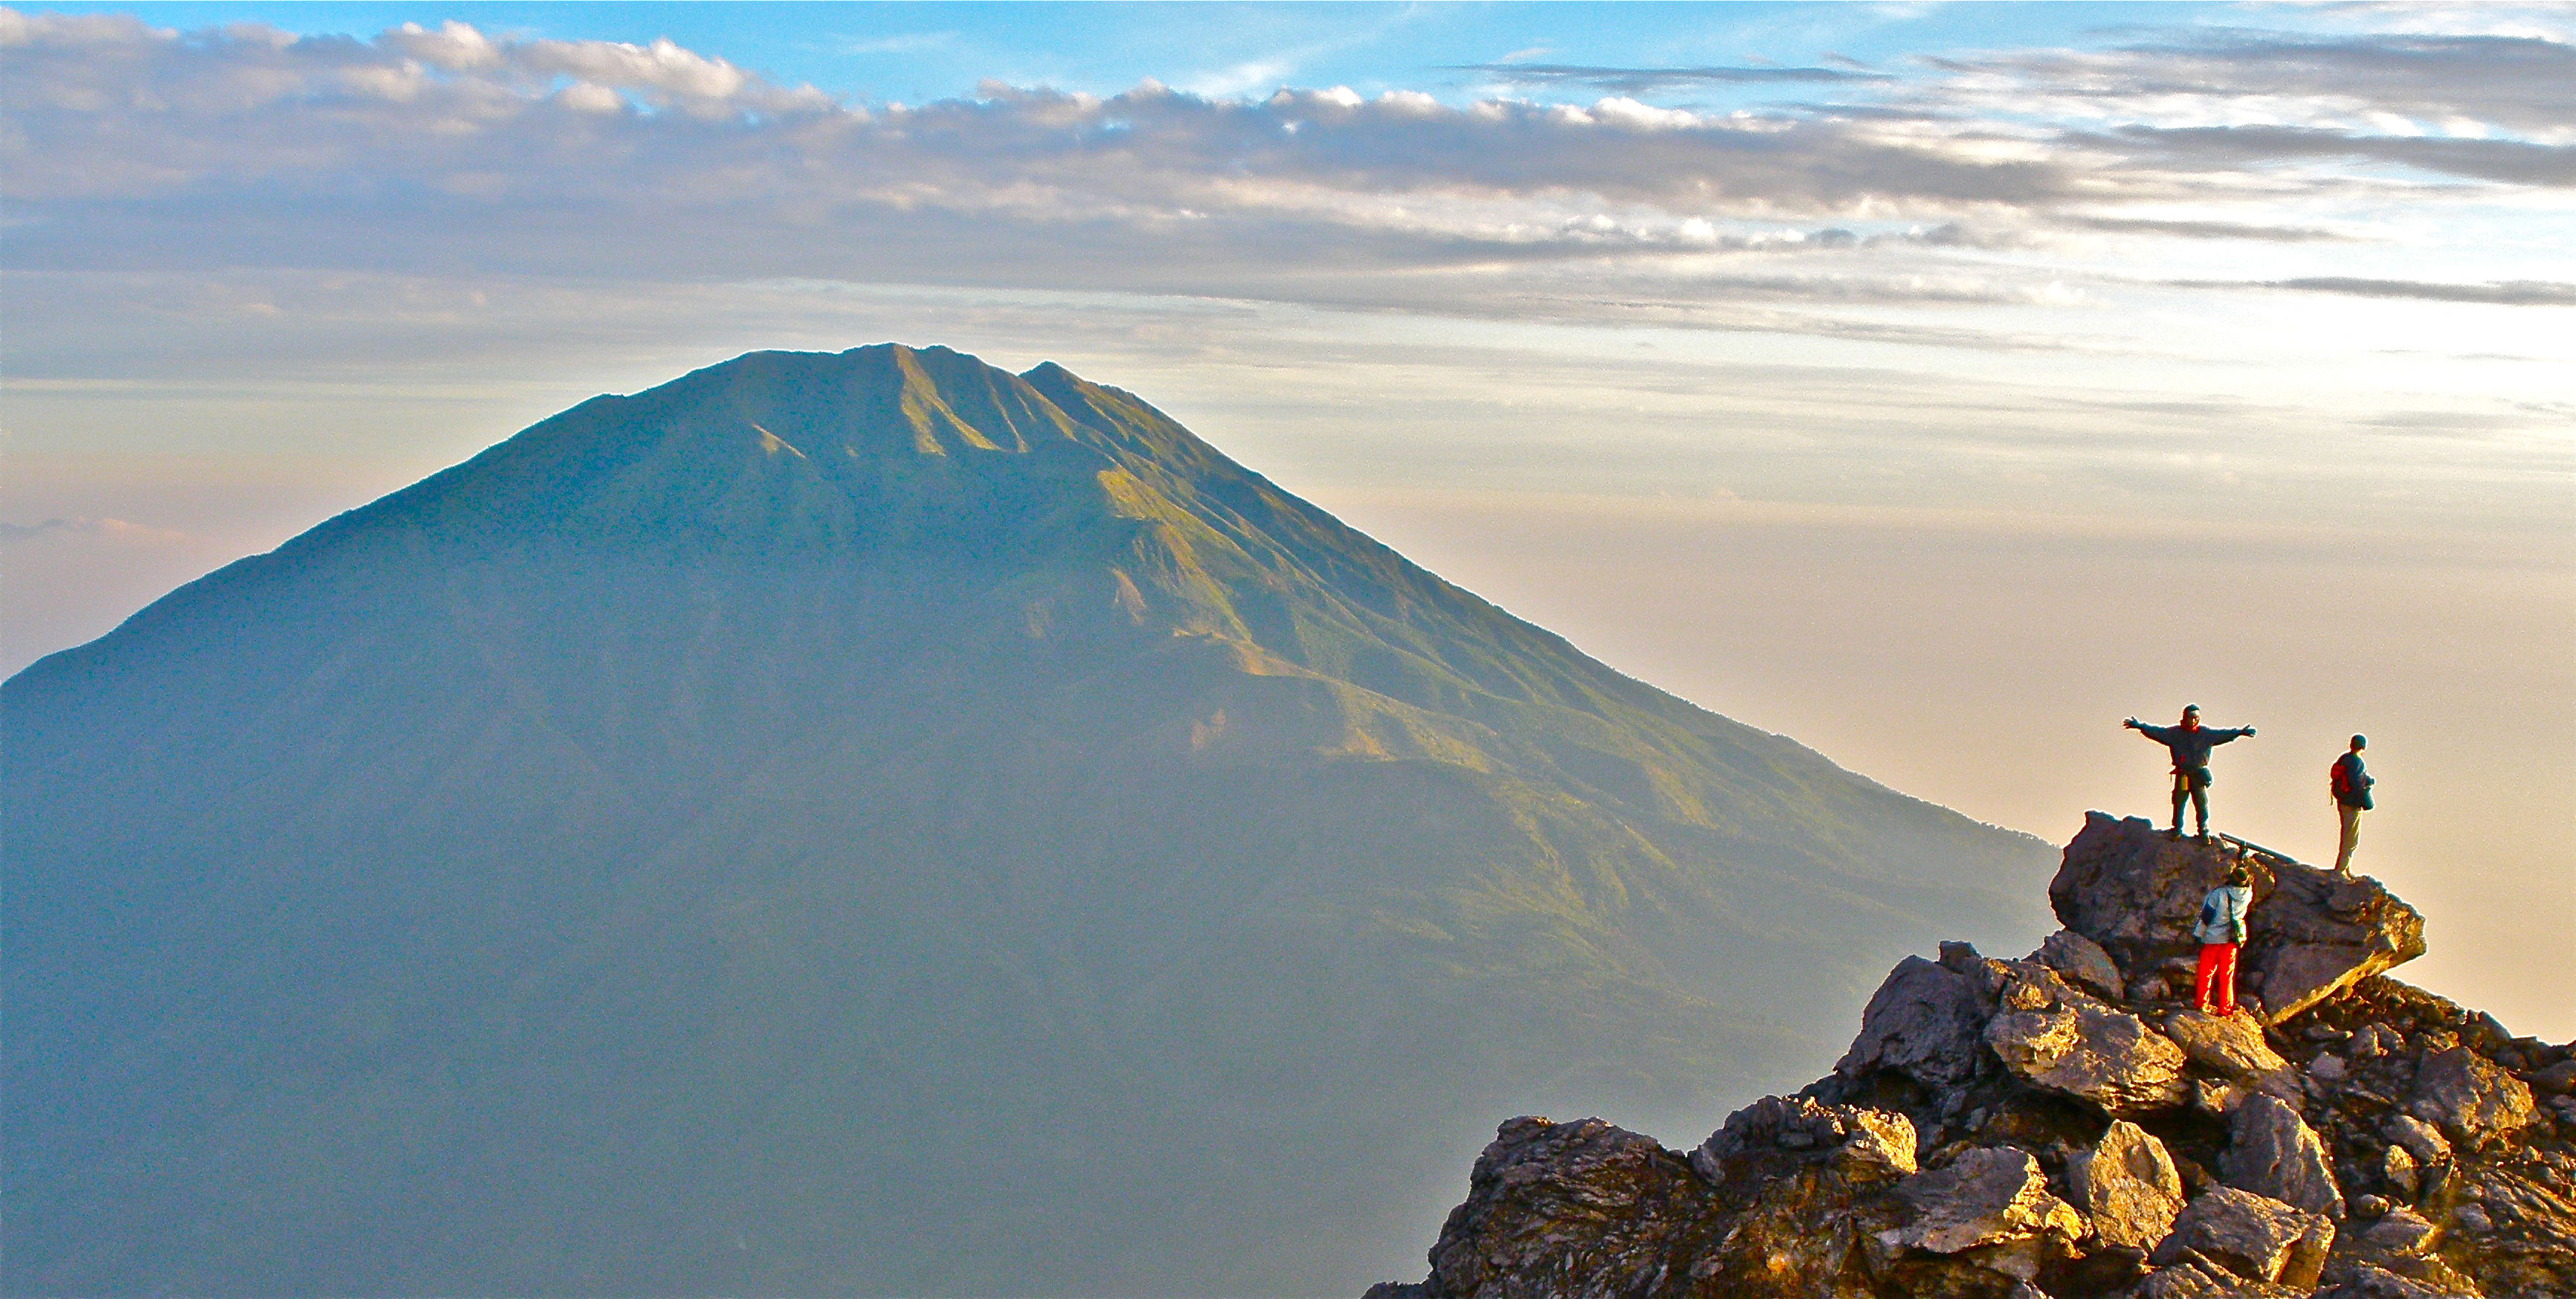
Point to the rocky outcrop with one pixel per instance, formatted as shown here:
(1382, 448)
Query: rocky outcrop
(2252, 1236)
(1924, 1023)
(2107, 1057)
(2271, 1151)
(2311, 932)
(2127, 1187)
(2062, 1125)
(2471, 1099)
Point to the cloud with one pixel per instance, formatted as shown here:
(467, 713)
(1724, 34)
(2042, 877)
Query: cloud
(2511, 293)
(12, 534)
(422, 150)
(1647, 81)
(2203, 229)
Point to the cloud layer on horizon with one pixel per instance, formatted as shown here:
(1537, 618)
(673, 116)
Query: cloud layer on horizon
(1979, 178)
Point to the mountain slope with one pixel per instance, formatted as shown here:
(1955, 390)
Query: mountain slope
(872, 823)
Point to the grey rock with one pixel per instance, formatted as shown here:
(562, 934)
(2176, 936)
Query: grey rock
(2419, 1138)
(2397, 1168)
(2327, 1066)
(2233, 1048)
(2127, 1187)
(2471, 1099)
(2401, 1231)
(2368, 1282)
(2083, 962)
(2311, 932)
(2201, 1278)
(1922, 1022)
(2557, 1080)
(2473, 1219)
(1985, 1197)
(2108, 1057)
(2253, 1236)
(2273, 1152)
(1868, 1144)
(2374, 1041)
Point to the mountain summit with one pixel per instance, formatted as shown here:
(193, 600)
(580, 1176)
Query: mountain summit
(873, 823)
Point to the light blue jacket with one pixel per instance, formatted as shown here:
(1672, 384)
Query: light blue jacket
(2222, 914)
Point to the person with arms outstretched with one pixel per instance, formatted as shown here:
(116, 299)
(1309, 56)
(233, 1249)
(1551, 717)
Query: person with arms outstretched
(2190, 743)
(2350, 786)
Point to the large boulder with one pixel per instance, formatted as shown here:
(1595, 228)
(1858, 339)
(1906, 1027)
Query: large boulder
(2470, 1098)
(2312, 933)
(1870, 1144)
(2083, 962)
(2273, 1152)
(1589, 1206)
(1922, 1022)
(2232, 1047)
(2086, 1050)
(2253, 1236)
(1993, 1201)
(2127, 1187)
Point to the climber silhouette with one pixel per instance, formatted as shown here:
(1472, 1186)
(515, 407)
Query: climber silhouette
(2190, 743)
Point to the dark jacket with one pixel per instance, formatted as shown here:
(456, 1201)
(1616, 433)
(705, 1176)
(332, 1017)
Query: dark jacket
(2356, 782)
(2191, 748)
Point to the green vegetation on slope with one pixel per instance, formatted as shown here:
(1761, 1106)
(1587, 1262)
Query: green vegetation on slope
(872, 823)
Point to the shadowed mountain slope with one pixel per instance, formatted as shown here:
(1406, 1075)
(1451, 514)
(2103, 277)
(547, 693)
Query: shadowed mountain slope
(872, 823)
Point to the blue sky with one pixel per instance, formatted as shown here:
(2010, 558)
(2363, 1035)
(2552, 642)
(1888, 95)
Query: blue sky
(873, 53)
(1847, 368)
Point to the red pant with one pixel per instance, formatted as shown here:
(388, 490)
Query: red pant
(2217, 966)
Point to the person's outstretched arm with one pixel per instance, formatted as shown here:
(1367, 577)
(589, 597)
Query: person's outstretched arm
(2159, 734)
(2231, 733)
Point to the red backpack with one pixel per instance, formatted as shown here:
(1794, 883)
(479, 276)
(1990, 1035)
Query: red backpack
(2339, 777)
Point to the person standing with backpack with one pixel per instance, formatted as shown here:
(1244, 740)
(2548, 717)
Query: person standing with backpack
(2350, 786)
(2190, 743)
(2221, 931)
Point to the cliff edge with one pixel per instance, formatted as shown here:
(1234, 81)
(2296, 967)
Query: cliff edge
(2066, 1125)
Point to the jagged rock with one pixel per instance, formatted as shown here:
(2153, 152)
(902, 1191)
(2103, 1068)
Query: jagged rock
(1865, 1139)
(2233, 1048)
(2271, 1151)
(1818, 1195)
(2083, 961)
(1588, 1206)
(2401, 1231)
(2083, 1049)
(2419, 1138)
(2197, 1278)
(2251, 1235)
(2397, 1169)
(2557, 1079)
(2471, 1099)
(2310, 932)
(1993, 1200)
(2126, 1186)
(1922, 1022)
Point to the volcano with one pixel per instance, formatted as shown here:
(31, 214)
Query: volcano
(873, 823)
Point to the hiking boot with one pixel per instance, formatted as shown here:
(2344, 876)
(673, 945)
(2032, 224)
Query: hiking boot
(2174, 833)
(2204, 838)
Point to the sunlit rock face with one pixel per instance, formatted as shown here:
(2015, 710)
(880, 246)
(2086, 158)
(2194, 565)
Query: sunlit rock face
(797, 830)
(2070, 1140)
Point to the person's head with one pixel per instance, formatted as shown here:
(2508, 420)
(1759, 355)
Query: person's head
(2239, 876)
(2360, 742)
(2190, 716)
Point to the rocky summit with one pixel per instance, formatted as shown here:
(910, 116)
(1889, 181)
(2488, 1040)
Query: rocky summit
(2067, 1125)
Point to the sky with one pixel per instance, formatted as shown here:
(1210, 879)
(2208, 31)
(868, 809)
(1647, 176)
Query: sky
(1935, 384)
